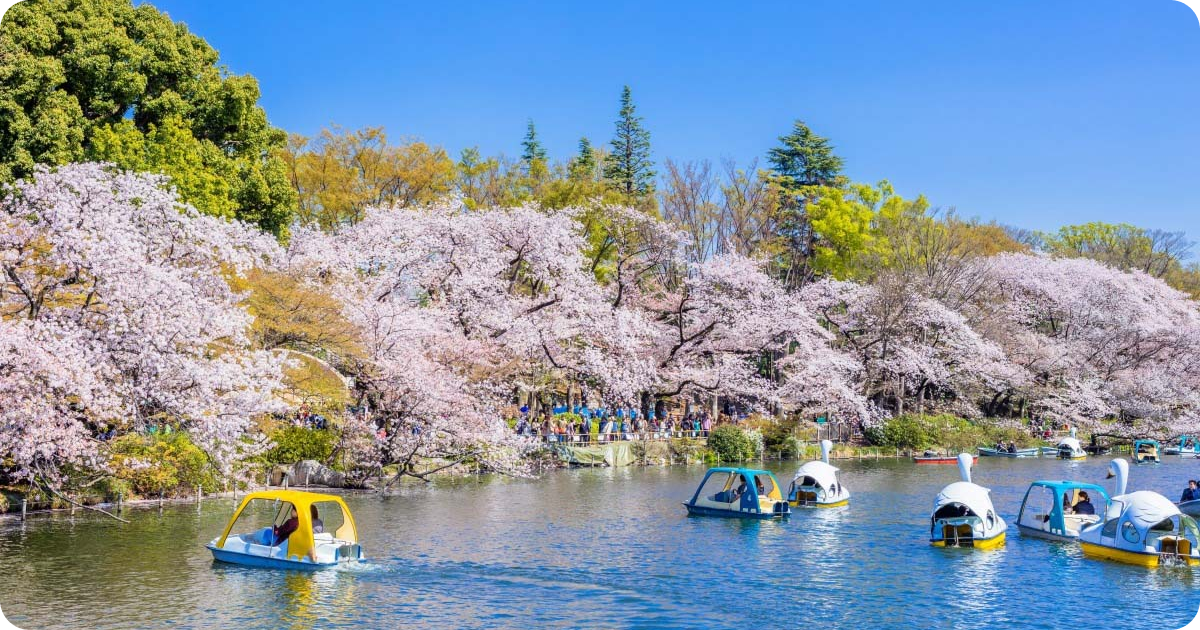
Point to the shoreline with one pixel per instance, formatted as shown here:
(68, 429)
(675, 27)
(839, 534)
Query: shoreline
(808, 451)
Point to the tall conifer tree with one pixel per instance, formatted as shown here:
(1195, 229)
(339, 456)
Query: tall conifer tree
(532, 148)
(628, 168)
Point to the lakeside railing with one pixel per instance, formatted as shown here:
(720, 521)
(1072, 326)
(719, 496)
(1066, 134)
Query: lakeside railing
(627, 436)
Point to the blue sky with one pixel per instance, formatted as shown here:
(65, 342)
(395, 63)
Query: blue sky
(1032, 112)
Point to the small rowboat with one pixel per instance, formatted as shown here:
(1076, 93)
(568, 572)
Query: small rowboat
(1023, 452)
(940, 459)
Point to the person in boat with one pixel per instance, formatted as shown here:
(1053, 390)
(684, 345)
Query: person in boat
(999, 448)
(317, 523)
(758, 484)
(289, 526)
(1012, 447)
(1084, 504)
(1067, 504)
(1190, 493)
(741, 489)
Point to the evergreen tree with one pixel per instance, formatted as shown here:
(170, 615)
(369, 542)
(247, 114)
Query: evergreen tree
(584, 164)
(532, 147)
(802, 167)
(628, 168)
(804, 159)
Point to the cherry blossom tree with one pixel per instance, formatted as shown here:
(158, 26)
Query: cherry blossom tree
(731, 330)
(108, 277)
(914, 350)
(1099, 343)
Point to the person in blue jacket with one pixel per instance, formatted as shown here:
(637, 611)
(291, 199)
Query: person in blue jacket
(1190, 493)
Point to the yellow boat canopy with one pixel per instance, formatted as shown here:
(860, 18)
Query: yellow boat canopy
(300, 542)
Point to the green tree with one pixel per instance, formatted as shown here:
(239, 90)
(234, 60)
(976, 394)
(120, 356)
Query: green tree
(1123, 246)
(802, 166)
(339, 174)
(107, 80)
(531, 148)
(629, 168)
(583, 166)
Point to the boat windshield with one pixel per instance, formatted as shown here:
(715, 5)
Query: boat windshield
(766, 486)
(1039, 504)
(724, 487)
(329, 519)
(259, 517)
(953, 510)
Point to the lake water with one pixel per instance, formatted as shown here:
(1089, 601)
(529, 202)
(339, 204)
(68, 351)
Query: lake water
(604, 548)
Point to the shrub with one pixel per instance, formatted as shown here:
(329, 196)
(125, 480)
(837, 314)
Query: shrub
(153, 464)
(293, 444)
(899, 432)
(685, 449)
(780, 437)
(946, 431)
(732, 444)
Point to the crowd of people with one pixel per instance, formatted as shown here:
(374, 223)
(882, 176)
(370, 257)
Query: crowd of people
(577, 425)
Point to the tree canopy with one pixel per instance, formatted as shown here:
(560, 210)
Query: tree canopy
(106, 80)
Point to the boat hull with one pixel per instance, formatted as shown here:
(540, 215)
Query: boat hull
(842, 503)
(1149, 560)
(700, 510)
(1045, 535)
(940, 460)
(1028, 452)
(245, 559)
(1191, 508)
(976, 543)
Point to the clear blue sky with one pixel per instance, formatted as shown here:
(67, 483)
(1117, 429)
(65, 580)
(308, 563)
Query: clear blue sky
(1031, 112)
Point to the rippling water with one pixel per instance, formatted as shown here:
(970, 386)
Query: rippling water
(603, 548)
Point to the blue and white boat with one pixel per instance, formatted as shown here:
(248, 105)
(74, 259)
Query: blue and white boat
(1058, 510)
(738, 493)
(1188, 447)
(1019, 453)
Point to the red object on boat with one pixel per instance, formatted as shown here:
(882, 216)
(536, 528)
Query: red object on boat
(941, 459)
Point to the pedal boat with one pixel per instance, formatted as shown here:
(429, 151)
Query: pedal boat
(734, 492)
(963, 515)
(1070, 448)
(1188, 447)
(303, 550)
(1146, 452)
(817, 484)
(1042, 514)
(1143, 528)
(1191, 508)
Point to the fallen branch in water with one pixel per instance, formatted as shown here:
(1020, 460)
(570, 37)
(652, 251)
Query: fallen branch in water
(41, 482)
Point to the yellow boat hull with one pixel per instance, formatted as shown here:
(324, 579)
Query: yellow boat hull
(841, 503)
(986, 543)
(1149, 560)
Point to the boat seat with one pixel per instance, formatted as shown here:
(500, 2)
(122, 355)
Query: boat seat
(259, 550)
